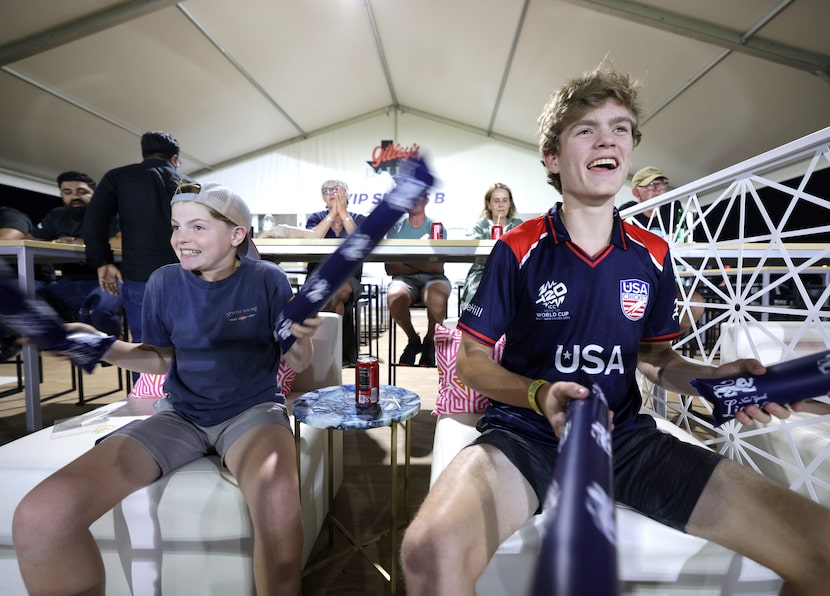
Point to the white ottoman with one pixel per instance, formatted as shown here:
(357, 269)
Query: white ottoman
(652, 558)
(187, 533)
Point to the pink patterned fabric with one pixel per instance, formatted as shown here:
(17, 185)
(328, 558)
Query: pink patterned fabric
(453, 396)
(152, 386)
(148, 386)
(285, 378)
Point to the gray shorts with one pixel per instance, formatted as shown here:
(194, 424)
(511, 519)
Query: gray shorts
(655, 473)
(173, 440)
(417, 283)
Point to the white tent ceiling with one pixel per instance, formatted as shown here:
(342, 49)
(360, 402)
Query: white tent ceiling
(81, 80)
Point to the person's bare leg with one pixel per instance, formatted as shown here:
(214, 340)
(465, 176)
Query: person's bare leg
(55, 549)
(436, 298)
(340, 298)
(478, 501)
(399, 301)
(263, 462)
(769, 523)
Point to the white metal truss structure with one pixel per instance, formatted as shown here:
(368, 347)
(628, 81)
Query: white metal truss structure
(742, 252)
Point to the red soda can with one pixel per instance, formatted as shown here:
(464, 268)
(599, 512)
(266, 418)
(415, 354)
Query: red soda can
(496, 232)
(367, 381)
(436, 232)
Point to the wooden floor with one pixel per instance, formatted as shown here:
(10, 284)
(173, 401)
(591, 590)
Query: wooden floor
(362, 504)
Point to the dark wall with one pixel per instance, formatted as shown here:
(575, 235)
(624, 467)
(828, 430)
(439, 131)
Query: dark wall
(34, 204)
(806, 215)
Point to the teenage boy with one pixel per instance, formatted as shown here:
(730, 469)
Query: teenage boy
(221, 371)
(553, 286)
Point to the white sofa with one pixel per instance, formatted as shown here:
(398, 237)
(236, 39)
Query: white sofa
(652, 558)
(188, 533)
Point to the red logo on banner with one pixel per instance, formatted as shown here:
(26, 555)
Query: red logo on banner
(386, 156)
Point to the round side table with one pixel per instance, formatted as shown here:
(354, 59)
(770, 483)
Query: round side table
(334, 408)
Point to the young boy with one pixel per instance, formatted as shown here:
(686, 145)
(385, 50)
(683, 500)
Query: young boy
(554, 287)
(208, 324)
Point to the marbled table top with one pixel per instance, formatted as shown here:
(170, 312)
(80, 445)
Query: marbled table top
(335, 407)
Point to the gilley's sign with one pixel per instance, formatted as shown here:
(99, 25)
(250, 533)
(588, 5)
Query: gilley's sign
(386, 155)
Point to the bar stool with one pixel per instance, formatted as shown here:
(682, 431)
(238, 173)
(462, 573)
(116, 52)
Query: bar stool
(367, 320)
(393, 351)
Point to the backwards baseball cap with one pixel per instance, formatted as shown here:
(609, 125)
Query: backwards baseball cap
(646, 175)
(226, 203)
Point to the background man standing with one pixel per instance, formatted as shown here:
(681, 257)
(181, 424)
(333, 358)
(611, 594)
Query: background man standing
(139, 194)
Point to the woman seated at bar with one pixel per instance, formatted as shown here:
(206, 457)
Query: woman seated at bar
(499, 210)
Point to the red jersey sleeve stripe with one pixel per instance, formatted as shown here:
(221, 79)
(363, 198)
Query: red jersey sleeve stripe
(476, 335)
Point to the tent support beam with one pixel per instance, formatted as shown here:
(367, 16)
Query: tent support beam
(746, 43)
(78, 29)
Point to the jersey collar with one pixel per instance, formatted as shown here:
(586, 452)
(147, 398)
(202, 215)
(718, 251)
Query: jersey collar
(559, 233)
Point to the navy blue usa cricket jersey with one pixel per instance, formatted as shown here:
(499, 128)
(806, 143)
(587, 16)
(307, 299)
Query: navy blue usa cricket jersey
(566, 315)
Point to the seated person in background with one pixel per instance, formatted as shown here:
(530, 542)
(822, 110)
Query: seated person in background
(336, 222)
(14, 225)
(552, 286)
(647, 183)
(499, 209)
(412, 282)
(222, 379)
(77, 288)
(139, 195)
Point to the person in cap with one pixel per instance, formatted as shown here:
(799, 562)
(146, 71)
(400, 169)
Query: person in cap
(647, 183)
(210, 327)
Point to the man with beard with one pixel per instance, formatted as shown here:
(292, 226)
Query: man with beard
(77, 286)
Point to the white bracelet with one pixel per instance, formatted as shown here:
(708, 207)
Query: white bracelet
(347, 219)
(329, 218)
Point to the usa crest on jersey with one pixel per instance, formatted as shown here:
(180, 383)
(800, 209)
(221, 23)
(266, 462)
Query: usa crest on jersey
(633, 298)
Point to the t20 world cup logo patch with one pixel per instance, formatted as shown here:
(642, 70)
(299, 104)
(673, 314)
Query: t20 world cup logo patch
(633, 298)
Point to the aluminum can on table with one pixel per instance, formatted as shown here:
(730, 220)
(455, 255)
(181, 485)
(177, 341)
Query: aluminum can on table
(367, 381)
(436, 231)
(496, 232)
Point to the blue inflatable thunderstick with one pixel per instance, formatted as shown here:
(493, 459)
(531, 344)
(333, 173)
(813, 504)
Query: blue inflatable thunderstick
(579, 546)
(35, 320)
(413, 181)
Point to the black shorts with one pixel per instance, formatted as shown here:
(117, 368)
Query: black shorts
(654, 472)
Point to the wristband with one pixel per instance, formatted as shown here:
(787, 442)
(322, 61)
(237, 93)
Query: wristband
(347, 219)
(329, 218)
(531, 394)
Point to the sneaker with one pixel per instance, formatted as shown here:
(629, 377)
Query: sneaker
(412, 348)
(427, 353)
(9, 348)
